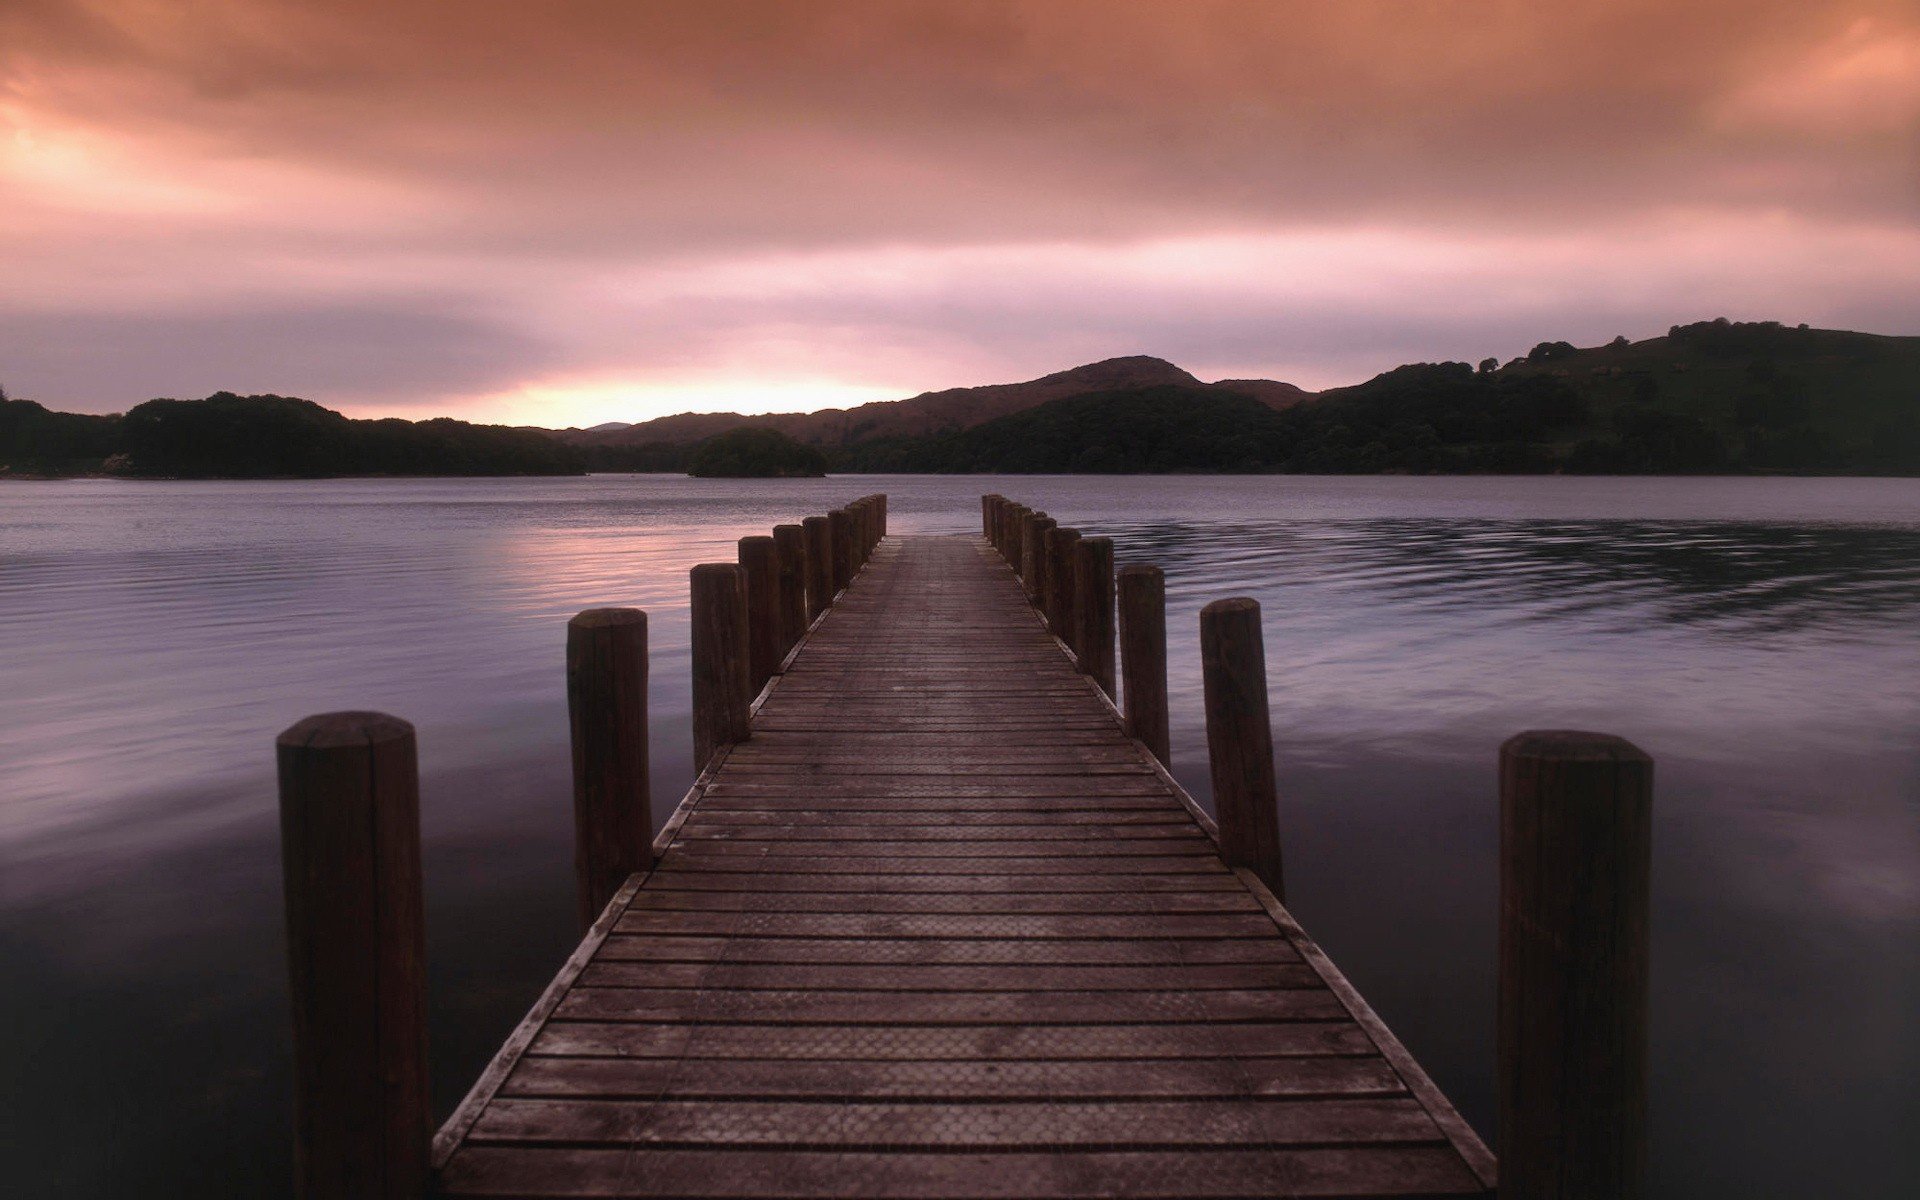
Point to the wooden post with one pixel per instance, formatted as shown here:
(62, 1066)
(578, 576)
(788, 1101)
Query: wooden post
(760, 560)
(1061, 545)
(790, 546)
(986, 516)
(1033, 555)
(1575, 853)
(612, 795)
(819, 531)
(1233, 664)
(720, 696)
(842, 548)
(1143, 656)
(356, 953)
(883, 516)
(1016, 534)
(1093, 627)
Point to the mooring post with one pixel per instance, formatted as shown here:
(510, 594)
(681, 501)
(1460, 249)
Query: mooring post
(883, 516)
(842, 548)
(819, 531)
(1575, 862)
(986, 516)
(1143, 656)
(612, 795)
(1016, 534)
(760, 561)
(1033, 555)
(1233, 665)
(1061, 544)
(790, 547)
(356, 952)
(720, 696)
(1093, 628)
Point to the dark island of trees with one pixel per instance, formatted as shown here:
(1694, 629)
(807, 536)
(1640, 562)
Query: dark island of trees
(754, 453)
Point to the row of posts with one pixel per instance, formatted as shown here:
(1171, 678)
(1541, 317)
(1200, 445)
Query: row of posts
(1575, 855)
(350, 838)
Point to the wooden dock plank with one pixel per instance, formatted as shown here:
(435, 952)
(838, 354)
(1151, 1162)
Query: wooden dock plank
(941, 929)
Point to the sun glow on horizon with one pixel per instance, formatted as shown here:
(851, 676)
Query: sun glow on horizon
(563, 403)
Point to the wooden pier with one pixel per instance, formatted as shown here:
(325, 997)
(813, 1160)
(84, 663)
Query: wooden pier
(938, 926)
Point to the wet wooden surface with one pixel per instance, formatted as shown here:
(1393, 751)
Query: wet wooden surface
(940, 929)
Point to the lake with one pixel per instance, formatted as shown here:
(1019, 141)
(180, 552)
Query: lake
(1759, 637)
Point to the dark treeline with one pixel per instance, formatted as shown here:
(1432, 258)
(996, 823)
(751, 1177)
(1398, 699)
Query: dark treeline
(1715, 397)
(265, 437)
(1712, 397)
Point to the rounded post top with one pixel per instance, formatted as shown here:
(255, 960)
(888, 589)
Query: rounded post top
(1571, 745)
(1140, 571)
(606, 618)
(712, 570)
(789, 530)
(334, 730)
(1230, 607)
(1097, 543)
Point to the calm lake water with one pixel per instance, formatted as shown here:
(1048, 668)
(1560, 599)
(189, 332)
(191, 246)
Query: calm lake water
(1760, 638)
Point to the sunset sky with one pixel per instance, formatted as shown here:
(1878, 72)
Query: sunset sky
(568, 213)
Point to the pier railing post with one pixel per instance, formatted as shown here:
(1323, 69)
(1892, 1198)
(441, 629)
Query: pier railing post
(842, 525)
(1016, 534)
(1143, 656)
(719, 636)
(790, 547)
(1233, 666)
(883, 516)
(819, 531)
(1034, 556)
(1093, 592)
(607, 710)
(1575, 852)
(986, 516)
(356, 950)
(1061, 549)
(760, 562)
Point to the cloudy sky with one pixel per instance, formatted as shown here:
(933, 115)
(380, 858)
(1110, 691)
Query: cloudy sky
(563, 213)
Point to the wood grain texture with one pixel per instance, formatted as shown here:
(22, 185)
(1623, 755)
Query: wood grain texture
(1575, 853)
(607, 714)
(1143, 657)
(940, 929)
(356, 951)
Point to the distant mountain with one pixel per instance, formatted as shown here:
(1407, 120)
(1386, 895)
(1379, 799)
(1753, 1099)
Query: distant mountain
(932, 413)
(1715, 397)
(609, 426)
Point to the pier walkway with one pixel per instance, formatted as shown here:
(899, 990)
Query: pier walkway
(940, 928)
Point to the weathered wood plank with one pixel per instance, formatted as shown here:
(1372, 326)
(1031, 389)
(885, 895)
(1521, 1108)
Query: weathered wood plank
(939, 928)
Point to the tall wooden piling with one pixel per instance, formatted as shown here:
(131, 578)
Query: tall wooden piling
(760, 562)
(843, 568)
(819, 531)
(1061, 547)
(1143, 657)
(1093, 597)
(1033, 574)
(356, 953)
(1016, 534)
(1233, 666)
(607, 712)
(720, 659)
(883, 515)
(1575, 855)
(790, 548)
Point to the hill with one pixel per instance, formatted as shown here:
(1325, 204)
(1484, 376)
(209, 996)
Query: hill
(265, 437)
(1712, 397)
(750, 452)
(929, 413)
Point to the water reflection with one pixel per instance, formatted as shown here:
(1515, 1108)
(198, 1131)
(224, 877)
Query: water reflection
(1755, 636)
